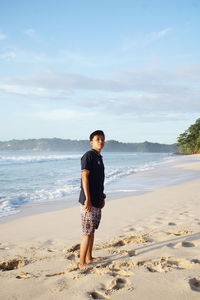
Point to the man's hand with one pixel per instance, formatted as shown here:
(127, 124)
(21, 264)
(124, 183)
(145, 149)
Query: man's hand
(88, 205)
(103, 204)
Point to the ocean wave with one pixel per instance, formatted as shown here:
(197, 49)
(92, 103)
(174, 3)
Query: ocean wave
(115, 174)
(12, 202)
(64, 187)
(7, 209)
(37, 158)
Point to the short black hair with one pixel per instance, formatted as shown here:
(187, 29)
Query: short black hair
(96, 132)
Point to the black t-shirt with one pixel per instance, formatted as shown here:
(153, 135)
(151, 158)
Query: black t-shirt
(93, 162)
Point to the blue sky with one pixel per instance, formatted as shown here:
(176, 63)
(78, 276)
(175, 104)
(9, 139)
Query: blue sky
(131, 68)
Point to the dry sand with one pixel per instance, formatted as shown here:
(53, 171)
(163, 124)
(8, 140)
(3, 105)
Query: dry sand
(150, 244)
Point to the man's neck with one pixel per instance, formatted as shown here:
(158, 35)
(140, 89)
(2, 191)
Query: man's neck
(98, 152)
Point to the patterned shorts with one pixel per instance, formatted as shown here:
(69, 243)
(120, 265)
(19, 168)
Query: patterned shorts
(90, 219)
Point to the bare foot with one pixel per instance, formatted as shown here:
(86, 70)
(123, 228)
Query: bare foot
(94, 259)
(83, 267)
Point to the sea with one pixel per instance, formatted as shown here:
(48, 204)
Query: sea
(32, 182)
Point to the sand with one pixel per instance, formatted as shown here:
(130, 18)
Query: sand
(150, 245)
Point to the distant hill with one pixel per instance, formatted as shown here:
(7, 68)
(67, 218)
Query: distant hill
(56, 144)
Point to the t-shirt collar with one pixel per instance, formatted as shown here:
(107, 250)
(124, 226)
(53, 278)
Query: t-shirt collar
(96, 152)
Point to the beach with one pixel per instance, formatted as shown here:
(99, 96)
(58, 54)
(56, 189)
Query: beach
(149, 244)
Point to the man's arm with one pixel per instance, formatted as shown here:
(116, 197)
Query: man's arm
(85, 183)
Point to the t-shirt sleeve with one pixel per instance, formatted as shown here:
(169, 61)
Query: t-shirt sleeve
(86, 162)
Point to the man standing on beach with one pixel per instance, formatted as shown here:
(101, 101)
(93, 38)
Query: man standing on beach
(91, 197)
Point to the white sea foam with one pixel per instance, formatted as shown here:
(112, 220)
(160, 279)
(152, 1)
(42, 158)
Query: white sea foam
(54, 194)
(34, 183)
(9, 204)
(37, 158)
(123, 191)
(7, 209)
(64, 187)
(115, 174)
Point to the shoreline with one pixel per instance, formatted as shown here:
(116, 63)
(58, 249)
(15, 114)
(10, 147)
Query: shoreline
(111, 204)
(152, 179)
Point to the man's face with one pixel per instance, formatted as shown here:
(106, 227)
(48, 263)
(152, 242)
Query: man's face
(98, 142)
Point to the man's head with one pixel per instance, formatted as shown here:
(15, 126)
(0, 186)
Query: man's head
(97, 140)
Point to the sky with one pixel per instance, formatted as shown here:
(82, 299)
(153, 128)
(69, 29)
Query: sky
(69, 67)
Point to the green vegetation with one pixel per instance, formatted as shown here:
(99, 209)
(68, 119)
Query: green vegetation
(189, 141)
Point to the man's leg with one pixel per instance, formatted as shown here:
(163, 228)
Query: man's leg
(86, 220)
(96, 217)
(83, 250)
(89, 257)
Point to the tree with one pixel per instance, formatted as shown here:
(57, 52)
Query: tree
(189, 141)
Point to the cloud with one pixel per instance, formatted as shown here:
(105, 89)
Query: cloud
(145, 40)
(154, 36)
(66, 82)
(72, 59)
(67, 58)
(146, 104)
(30, 32)
(8, 55)
(60, 114)
(36, 92)
(156, 81)
(158, 117)
(3, 36)
(138, 93)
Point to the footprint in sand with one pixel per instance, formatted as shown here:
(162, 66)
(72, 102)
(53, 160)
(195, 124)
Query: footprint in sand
(181, 244)
(182, 232)
(120, 269)
(188, 244)
(61, 284)
(73, 248)
(165, 264)
(129, 228)
(13, 264)
(114, 269)
(73, 252)
(172, 224)
(130, 253)
(55, 274)
(183, 213)
(195, 283)
(52, 250)
(25, 275)
(4, 248)
(115, 285)
(70, 256)
(133, 239)
(47, 243)
(195, 260)
(97, 295)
